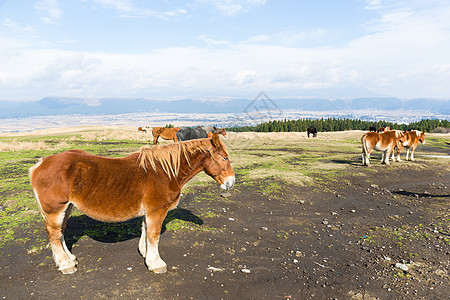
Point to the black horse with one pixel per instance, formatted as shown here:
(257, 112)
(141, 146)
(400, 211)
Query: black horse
(312, 130)
(373, 128)
(187, 133)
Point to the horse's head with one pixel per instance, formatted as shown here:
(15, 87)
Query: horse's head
(421, 137)
(221, 131)
(218, 165)
(401, 137)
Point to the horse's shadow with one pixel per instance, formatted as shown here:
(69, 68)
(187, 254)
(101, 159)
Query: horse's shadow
(420, 195)
(79, 226)
(353, 162)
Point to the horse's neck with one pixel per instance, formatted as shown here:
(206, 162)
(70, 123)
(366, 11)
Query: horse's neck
(188, 171)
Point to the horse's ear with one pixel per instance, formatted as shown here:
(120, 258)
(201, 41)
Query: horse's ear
(215, 129)
(215, 140)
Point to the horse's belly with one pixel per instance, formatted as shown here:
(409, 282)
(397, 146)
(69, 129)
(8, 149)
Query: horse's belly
(107, 211)
(379, 147)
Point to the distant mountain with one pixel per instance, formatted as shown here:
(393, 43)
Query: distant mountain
(69, 106)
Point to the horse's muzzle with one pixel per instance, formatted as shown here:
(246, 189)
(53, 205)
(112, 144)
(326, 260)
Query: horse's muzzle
(228, 183)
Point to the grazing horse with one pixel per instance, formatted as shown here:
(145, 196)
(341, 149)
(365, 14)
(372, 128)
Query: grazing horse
(142, 129)
(146, 183)
(412, 139)
(383, 129)
(165, 133)
(373, 128)
(187, 133)
(384, 142)
(312, 130)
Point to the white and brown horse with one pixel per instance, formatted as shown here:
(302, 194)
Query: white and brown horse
(412, 139)
(142, 129)
(384, 142)
(146, 183)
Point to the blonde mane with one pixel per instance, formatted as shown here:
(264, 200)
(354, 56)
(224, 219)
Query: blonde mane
(169, 156)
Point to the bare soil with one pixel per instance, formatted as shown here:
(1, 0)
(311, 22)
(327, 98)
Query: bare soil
(376, 233)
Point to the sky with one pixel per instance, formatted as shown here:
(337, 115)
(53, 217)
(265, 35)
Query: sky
(211, 49)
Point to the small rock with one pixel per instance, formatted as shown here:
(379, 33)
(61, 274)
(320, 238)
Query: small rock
(246, 271)
(301, 201)
(225, 195)
(325, 222)
(215, 269)
(352, 211)
(264, 228)
(402, 267)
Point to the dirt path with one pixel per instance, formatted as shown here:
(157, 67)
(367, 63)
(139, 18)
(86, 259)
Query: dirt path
(376, 233)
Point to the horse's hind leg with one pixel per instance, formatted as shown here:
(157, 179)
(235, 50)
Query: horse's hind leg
(66, 217)
(54, 225)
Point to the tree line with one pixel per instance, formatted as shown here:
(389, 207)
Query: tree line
(338, 124)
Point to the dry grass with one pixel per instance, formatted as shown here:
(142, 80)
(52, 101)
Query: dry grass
(21, 146)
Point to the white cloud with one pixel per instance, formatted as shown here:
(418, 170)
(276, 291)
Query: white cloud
(403, 54)
(127, 8)
(232, 7)
(50, 11)
(212, 42)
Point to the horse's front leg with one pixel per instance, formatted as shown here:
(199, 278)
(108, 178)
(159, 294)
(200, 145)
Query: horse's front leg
(408, 153)
(154, 222)
(412, 153)
(143, 239)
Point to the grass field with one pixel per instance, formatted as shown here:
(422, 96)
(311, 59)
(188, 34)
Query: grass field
(291, 182)
(289, 157)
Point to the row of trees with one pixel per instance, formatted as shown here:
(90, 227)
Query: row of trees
(338, 124)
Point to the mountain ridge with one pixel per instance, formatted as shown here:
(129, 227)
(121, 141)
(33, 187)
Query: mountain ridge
(84, 106)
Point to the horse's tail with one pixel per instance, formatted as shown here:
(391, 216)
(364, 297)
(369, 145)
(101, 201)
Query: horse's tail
(365, 158)
(31, 172)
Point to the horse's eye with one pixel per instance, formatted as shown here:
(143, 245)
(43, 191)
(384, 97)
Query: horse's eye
(225, 158)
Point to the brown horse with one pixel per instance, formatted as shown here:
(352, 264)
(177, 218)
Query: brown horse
(384, 142)
(146, 183)
(165, 133)
(219, 131)
(412, 139)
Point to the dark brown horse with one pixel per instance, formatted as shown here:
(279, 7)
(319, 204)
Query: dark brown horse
(165, 133)
(142, 129)
(146, 183)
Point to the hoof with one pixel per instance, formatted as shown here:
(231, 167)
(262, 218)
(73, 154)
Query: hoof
(161, 270)
(69, 270)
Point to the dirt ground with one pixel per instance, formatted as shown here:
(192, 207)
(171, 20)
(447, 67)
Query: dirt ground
(376, 233)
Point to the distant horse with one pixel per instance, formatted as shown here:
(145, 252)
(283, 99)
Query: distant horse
(165, 133)
(312, 130)
(187, 133)
(384, 142)
(146, 183)
(142, 129)
(219, 131)
(412, 139)
(383, 129)
(373, 128)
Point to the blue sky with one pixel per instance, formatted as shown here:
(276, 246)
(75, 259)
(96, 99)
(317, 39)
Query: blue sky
(208, 49)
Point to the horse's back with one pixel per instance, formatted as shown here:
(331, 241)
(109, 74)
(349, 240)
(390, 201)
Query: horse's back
(92, 183)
